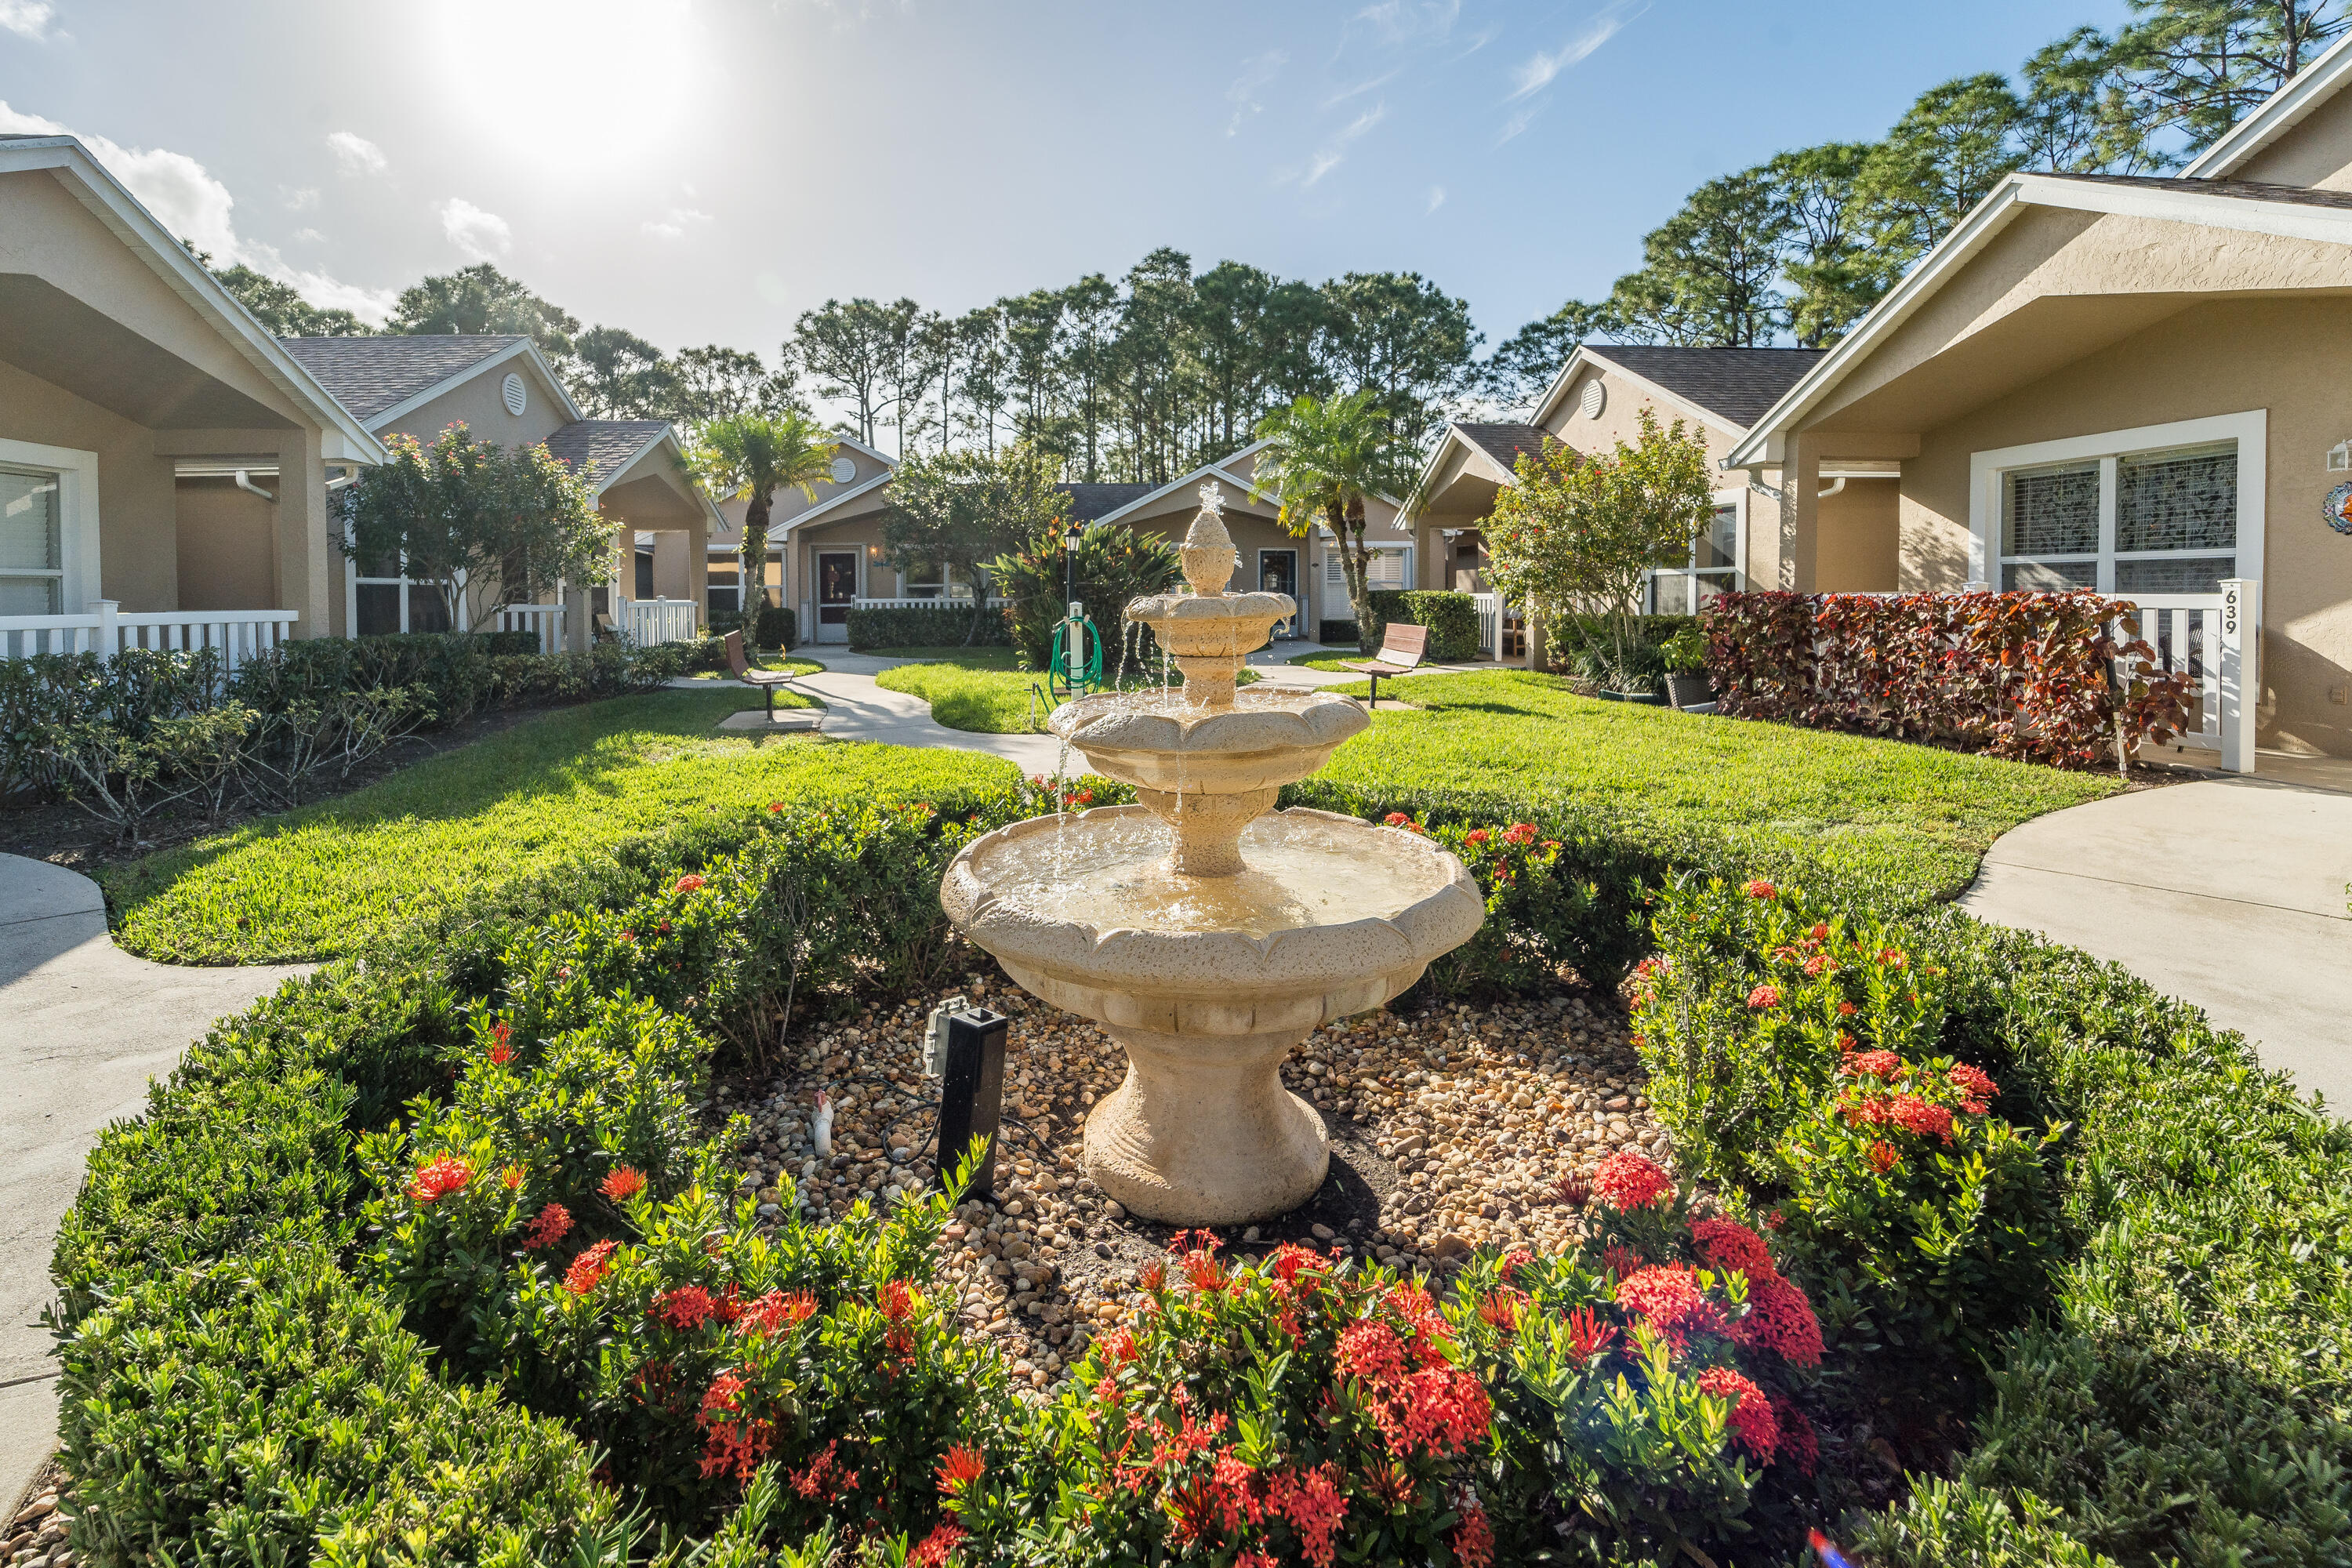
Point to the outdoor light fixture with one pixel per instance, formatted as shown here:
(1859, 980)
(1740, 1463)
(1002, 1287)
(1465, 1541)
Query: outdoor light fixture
(2339, 456)
(970, 1058)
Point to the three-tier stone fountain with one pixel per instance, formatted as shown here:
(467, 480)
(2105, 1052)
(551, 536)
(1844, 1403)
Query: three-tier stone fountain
(1206, 931)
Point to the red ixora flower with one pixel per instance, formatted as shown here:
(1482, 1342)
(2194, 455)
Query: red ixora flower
(1589, 1334)
(1396, 819)
(1760, 889)
(437, 1181)
(587, 1270)
(1315, 1506)
(1476, 836)
(1474, 1538)
(932, 1551)
(777, 1310)
(1752, 1425)
(960, 1468)
(686, 883)
(625, 1182)
(686, 1307)
(1873, 1064)
(1782, 1321)
(1764, 996)
(1976, 1086)
(1670, 1297)
(1519, 833)
(1923, 1117)
(1847, 1009)
(550, 1226)
(1730, 1245)
(1882, 1157)
(1627, 1181)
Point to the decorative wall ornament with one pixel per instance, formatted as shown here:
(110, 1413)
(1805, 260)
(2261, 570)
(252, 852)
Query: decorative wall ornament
(2338, 510)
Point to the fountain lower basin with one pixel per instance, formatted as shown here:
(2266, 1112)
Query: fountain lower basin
(1208, 982)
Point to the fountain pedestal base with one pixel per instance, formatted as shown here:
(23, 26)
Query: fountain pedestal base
(1203, 1132)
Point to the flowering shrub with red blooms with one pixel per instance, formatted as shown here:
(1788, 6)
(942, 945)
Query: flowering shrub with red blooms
(1628, 1181)
(1754, 1001)
(1535, 912)
(2016, 675)
(625, 1183)
(438, 1180)
(1351, 1432)
(1641, 1385)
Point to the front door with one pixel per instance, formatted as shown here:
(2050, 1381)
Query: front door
(1278, 573)
(836, 590)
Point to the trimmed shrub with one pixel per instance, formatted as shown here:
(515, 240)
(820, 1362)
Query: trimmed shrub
(1451, 619)
(779, 628)
(502, 644)
(1583, 648)
(947, 626)
(1336, 633)
(2012, 674)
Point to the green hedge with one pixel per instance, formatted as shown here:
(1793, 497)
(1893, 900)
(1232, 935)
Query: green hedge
(1336, 633)
(944, 628)
(2182, 1394)
(779, 628)
(1451, 619)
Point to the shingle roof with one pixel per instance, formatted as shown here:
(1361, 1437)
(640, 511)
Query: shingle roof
(2243, 190)
(369, 375)
(1736, 385)
(602, 447)
(1088, 502)
(1504, 443)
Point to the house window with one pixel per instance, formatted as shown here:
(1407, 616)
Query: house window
(384, 600)
(1713, 568)
(934, 581)
(1384, 569)
(2171, 508)
(724, 585)
(32, 543)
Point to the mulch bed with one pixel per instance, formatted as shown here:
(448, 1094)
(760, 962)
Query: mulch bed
(1451, 1128)
(63, 834)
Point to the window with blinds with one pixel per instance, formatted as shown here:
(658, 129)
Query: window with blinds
(2162, 522)
(32, 543)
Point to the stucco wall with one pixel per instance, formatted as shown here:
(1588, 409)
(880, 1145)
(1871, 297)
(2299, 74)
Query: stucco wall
(138, 555)
(1620, 416)
(2286, 356)
(479, 405)
(1860, 546)
(224, 536)
(2318, 151)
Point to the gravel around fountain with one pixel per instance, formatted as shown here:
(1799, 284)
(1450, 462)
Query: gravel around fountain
(1452, 1129)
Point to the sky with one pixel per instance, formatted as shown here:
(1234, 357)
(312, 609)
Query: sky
(703, 171)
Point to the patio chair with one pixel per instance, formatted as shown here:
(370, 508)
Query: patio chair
(1401, 647)
(604, 630)
(765, 680)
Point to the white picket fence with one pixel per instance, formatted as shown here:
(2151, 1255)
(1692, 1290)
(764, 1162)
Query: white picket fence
(645, 622)
(1490, 623)
(547, 620)
(106, 630)
(963, 604)
(2214, 639)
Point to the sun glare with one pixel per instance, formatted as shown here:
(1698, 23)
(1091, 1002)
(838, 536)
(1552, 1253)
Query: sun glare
(569, 87)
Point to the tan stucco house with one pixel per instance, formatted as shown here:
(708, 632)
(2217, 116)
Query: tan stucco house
(1595, 401)
(124, 365)
(827, 556)
(2134, 384)
(502, 389)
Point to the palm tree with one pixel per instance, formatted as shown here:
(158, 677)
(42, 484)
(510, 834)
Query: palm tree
(1327, 458)
(752, 456)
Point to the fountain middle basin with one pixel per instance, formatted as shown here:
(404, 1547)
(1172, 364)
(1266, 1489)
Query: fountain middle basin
(1208, 982)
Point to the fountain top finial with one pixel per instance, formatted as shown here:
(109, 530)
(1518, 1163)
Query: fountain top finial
(1208, 552)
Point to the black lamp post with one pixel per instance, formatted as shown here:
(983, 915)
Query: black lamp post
(1074, 656)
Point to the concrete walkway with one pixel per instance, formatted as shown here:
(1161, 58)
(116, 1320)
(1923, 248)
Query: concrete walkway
(87, 1025)
(2228, 893)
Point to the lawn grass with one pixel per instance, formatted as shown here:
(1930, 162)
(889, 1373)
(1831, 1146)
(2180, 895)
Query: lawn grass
(1913, 818)
(327, 879)
(982, 690)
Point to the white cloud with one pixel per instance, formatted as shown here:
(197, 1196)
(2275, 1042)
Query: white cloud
(298, 200)
(1257, 72)
(484, 235)
(27, 19)
(1436, 199)
(1398, 21)
(355, 154)
(1361, 87)
(1536, 73)
(311, 234)
(1332, 154)
(192, 206)
(1518, 122)
(674, 224)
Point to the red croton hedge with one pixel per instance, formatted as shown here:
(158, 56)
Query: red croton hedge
(2031, 675)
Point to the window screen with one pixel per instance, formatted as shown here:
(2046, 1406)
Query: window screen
(32, 545)
(2177, 501)
(2052, 511)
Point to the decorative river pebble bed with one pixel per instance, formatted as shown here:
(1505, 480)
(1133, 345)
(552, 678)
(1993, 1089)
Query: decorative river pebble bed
(1453, 1129)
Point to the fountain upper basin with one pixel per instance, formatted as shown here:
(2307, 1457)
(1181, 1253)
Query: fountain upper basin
(1329, 916)
(1264, 740)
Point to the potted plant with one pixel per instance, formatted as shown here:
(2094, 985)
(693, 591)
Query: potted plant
(1686, 658)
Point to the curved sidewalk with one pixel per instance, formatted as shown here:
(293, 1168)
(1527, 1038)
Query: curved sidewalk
(2226, 892)
(88, 1025)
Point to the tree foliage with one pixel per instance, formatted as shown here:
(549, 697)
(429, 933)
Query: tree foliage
(1577, 535)
(1801, 246)
(1324, 459)
(282, 310)
(486, 524)
(481, 298)
(956, 511)
(751, 456)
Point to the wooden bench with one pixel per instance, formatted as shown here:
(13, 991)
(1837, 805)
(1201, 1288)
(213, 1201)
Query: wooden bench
(765, 680)
(1401, 647)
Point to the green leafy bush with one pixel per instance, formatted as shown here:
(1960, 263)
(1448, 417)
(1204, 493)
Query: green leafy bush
(1538, 917)
(1336, 633)
(1451, 619)
(779, 628)
(1114, 565)
(950, 625)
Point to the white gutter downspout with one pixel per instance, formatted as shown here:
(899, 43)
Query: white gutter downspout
(245, 483)
(1838, 484)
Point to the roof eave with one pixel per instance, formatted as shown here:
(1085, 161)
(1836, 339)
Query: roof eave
(523, 348)
(1203, 471)
(112, 203)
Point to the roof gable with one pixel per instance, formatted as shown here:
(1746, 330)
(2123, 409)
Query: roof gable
(383, 376)
(1731, 387)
